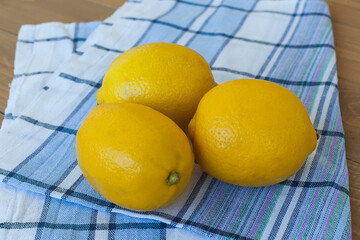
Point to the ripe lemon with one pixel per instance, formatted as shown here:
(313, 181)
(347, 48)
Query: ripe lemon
(134, 156)
(251, 133)
(167, 77)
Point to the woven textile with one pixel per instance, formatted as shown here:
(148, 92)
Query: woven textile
(58, 72)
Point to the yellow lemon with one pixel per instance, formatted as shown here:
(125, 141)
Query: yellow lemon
(134, 156)
(167, 77)
(251, 133)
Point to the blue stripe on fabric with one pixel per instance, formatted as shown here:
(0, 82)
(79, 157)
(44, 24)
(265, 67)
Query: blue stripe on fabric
(201, 28)
(211, 26)
(320, 28)
(192, 22)
(79, 80)
(73, 131)
(71, 190)
(12, 174)
(85, 29)
(53, 39)
(111, 207)
(62, 178)
(237, 29)
(303, 184)
(140, 40)
(202, 201)
(79, 53)
(107, 23)
(107, 49)
(112, 226)
(344, 220)
(75, 36)
(92, 226)
(255, 207)
(47, 161)
(289, 197)
(331, 133)
(32, 74)
(42, 146)
(43, 217)
(303, 193)
(83, 226)
(39, 184)
(208, 228)
(336, 158)
(10, 116)
(162, 231)
(60, 147)
(260, 11)
(291, 193)
(167, 34)
(48, 126)
(277, 80)
(83, 187)
(283, 51)
(219, 34)
(321, 144)
(316, 57)
(272, 79)
(191, 198)
(177, 13)
(287, 29)
(106, 203)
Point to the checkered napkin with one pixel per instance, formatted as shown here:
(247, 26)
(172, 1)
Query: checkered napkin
(59, 68)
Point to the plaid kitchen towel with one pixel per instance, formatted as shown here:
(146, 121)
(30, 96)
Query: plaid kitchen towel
(287, 42)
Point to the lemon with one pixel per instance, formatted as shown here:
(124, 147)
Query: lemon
(134, 156)
(251, 133)
(167, 77)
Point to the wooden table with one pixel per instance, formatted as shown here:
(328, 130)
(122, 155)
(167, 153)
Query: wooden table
(346, 23)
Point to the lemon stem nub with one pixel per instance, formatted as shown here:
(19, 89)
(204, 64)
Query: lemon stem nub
(173, 178)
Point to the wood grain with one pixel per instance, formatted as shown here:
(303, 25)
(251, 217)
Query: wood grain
(354, 177)
(109, 3)
(345, 16)
(7, 46)
(14, 13)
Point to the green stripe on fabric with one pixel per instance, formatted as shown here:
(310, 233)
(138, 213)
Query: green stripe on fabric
(226, 203)
(213, 215)
(342, 200)
(347, 230)
(322, 73)
(321, 192)
(244, 209)
(326, 63)
(334, 221)
(267, 215)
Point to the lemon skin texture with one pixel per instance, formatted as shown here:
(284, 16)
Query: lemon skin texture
(129, 153)
(167, 77)
(251, 133)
